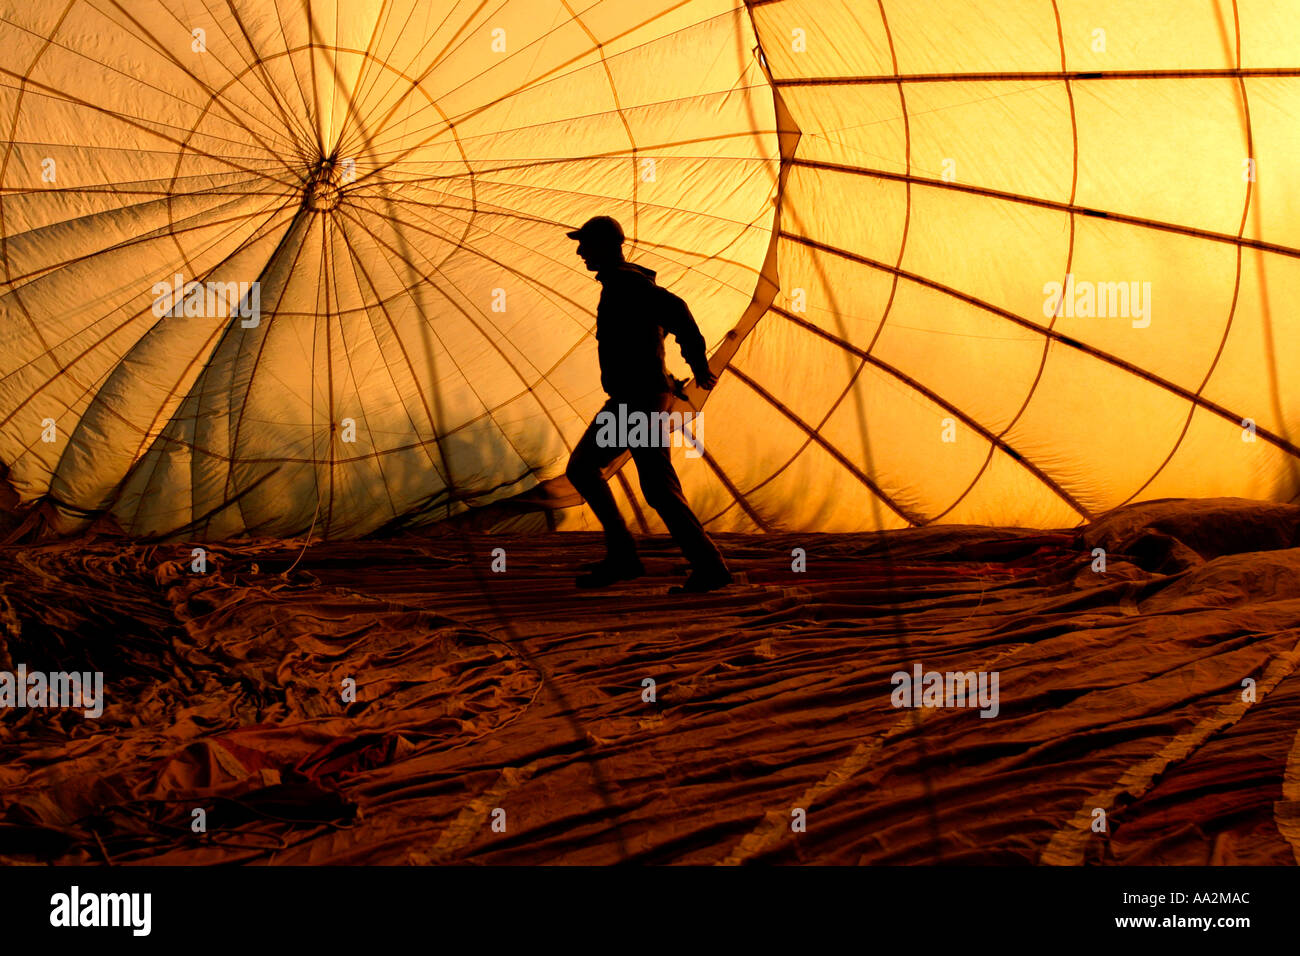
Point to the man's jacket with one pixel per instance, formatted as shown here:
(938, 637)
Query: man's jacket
(631, 320)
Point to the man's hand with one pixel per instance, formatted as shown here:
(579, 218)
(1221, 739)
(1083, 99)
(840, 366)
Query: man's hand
(706, 379)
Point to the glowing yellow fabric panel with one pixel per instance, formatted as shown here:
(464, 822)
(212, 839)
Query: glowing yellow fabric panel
(1022, 268)
(953, 165)
(425, 328)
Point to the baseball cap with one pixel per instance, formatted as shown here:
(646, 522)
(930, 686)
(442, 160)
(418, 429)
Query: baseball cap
(600, 229)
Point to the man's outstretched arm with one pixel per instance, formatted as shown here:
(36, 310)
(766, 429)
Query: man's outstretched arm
(676, 319)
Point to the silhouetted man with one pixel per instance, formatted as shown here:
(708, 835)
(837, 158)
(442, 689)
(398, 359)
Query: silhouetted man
(631, 320)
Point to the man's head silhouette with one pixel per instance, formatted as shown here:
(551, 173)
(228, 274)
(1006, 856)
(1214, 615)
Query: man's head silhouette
(600, 242)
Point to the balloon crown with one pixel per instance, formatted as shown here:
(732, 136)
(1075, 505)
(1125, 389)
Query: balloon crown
(324, 191)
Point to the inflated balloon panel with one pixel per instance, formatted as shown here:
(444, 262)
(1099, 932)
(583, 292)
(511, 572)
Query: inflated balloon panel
(267, 273)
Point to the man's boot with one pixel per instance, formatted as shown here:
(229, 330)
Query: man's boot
(614, 568)
(703, 580)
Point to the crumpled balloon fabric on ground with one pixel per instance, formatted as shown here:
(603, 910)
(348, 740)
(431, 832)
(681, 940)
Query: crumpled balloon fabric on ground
(479, 692)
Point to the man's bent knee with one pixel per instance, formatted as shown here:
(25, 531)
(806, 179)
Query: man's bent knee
(581, 473)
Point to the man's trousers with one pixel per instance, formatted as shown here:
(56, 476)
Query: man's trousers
(659, 482)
